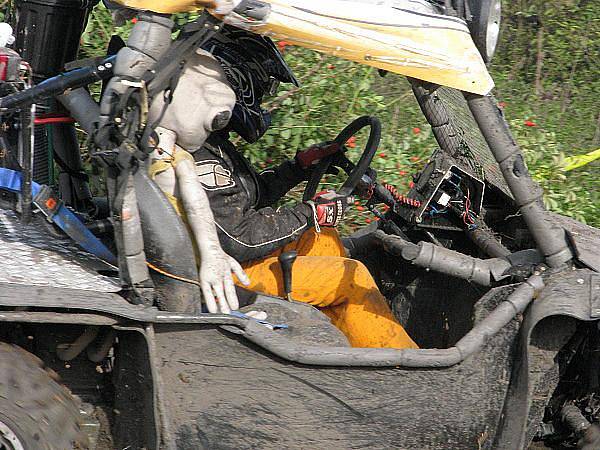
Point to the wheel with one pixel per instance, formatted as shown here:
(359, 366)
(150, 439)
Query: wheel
(36, 413)
(354, 171)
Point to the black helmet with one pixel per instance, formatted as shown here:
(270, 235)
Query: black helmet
(254, 67)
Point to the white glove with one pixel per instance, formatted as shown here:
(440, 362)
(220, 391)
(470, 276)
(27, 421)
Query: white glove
(216, 266)
(217, 284)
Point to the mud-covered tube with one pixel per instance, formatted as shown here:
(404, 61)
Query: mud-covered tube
(549, 237)
(82, 107)
(444, 260)
(470, 344)
(487, 242)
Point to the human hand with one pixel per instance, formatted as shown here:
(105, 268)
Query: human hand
(329, 208)
(216, 280)
(216, 266)
(310, 157)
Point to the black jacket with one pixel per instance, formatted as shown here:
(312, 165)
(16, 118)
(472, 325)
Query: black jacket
(241, 201)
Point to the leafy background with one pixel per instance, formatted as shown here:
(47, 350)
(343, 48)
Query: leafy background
(547, 76)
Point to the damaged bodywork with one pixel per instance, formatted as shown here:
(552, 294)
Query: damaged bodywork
(502, 297)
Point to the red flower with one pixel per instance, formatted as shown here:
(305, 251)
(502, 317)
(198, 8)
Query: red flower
(282, 45)
(415, 158)
(416, 130)
(411, 184)
(368, 220)
(360, 208)
(331, 67)
(134, 20)
(351, 142)
(501, 105)
(382, 155)
(529, 123)
(357, 203)
(269, 161)
(402, 172)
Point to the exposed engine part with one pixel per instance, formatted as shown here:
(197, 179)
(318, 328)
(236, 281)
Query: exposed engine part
(99, 349)
(402, 199)
(101, 227)
(58, 26)
(82, 107)
(442, 192)
(11, 63)
(57, 85)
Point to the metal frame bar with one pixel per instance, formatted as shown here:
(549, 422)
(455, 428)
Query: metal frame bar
(550, 238)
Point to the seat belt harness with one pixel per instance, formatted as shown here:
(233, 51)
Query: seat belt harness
(57, 213)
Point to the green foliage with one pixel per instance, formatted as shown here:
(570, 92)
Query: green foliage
(574, 195)
(98, 32)
(334, 92)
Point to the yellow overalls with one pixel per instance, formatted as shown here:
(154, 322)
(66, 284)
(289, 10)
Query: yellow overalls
(341, 287)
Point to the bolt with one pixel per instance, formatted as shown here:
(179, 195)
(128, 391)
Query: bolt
(101, 68)
(580, 281)
(108, 65)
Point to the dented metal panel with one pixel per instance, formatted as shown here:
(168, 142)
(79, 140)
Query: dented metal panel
(31, 255)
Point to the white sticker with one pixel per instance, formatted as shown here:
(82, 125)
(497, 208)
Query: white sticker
(444, 199)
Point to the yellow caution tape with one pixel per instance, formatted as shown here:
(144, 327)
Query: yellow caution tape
(577, 161)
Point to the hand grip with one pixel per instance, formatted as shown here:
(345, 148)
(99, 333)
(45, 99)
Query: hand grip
(286, 259)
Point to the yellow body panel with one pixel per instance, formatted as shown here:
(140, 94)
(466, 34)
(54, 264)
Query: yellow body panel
(430, 47)
(167, 6)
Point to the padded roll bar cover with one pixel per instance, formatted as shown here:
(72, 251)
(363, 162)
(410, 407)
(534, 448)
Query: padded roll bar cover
(168, 246)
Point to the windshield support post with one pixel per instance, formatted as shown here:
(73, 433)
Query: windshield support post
(550, 238)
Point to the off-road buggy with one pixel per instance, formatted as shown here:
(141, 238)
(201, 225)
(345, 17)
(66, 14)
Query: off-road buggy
(502, 297)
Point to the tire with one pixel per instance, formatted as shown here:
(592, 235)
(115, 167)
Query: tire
(36, 412)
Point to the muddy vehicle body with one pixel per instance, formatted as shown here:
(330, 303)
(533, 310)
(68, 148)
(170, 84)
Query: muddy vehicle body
(502, 297)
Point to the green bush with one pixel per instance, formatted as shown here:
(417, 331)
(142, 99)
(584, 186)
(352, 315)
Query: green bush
(334, 92)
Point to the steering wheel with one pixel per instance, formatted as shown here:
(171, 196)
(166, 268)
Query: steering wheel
(339, 159)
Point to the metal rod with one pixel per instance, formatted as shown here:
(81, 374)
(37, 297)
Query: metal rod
(70, 351)
(471, 343)
(26, 161)
(54, 86)
(56, 317)
(549, 237)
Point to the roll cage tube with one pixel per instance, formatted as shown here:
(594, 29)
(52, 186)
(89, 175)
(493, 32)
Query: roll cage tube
(471, 343)
(339, 159)
(550, 238)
